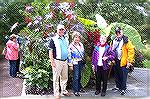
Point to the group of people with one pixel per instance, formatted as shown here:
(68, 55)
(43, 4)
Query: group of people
(62, 53)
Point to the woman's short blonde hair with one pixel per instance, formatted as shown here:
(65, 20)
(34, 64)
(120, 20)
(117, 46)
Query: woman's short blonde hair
(12, 36)
(75, 33)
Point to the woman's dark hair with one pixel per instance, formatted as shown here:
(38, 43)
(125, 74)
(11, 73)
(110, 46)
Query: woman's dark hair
(118, 29)
(13, 36)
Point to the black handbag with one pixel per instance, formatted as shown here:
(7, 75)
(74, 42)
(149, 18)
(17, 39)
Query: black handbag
(131, 68)
(83, 59)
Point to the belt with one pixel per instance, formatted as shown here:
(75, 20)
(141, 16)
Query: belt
(61, 59)
(77, 59)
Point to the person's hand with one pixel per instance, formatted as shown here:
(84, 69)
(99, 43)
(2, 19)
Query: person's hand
(93, 69)
(128, 65)
(70, 66)
(105, 58)
(53, 64)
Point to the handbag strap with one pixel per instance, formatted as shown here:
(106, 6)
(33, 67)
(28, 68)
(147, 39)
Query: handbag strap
(117, 46)
(78, 51)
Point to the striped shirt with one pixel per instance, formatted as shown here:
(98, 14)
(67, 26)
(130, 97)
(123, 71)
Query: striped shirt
(59, 46)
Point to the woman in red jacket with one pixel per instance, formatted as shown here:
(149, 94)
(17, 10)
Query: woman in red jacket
(12, 54)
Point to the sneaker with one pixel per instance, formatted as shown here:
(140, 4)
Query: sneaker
(66, 94)
(103, 94)
(122, 92)
(76, 94)
(19, 72)
(97, 92)
(82, 90)
(115, 89)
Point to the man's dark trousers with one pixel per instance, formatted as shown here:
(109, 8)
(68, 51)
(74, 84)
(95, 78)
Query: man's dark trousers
(121, 74)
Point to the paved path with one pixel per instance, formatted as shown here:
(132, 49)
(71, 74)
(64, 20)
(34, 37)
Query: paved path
(138, 85)
(8, 86)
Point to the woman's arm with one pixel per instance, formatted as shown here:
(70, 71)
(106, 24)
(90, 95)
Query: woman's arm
(15, 45)
(111, 54)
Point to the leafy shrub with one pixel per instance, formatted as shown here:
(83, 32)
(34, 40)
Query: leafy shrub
(146, 54)
(37, 68)
(138, 59)
(146, 63)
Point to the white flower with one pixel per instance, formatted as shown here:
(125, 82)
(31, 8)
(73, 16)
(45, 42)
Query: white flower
(37, 30)
(50, 15)
(36, 21)
(29, 24)
(29, 9)
(14, 26)
(64, 5)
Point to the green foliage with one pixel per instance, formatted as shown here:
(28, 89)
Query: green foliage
(45, 1)
(86, 74)
(118, 12)
(35, 52)
(37, 77)
(37, 67)
(86, 11)
(8, 17)
(138, 59)
(146, 63)
(89, 25)
(86, 21)
(146, 54)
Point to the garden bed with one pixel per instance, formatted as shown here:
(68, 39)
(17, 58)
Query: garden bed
(37, 91)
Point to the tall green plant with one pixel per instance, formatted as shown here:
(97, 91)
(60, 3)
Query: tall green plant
(37, 66)
(42, 18)
(86, 74)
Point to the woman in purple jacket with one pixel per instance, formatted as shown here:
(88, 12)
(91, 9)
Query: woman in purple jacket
(101, 57)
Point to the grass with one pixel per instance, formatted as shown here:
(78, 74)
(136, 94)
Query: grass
(147, 63)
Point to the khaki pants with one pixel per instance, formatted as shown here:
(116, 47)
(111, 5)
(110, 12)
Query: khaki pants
(61, 71)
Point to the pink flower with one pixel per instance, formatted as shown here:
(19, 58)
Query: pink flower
(29, 9)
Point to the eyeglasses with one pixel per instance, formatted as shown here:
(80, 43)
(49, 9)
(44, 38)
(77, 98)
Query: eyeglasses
(61, 29)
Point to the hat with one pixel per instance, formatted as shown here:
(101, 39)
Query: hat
(118, 29)
(60, 26)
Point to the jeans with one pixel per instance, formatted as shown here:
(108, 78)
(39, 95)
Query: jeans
(121, 74)
(77, 69)
(101, 76)
(12, 69)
